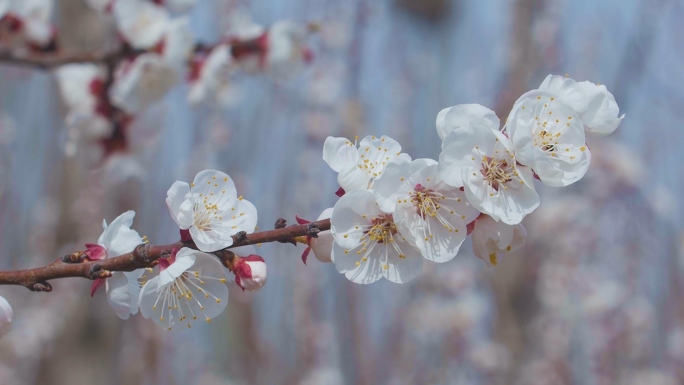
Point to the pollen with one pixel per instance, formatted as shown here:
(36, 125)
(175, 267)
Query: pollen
(493, 259)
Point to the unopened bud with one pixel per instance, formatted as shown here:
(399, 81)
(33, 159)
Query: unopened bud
(250, 272)
(491, 239)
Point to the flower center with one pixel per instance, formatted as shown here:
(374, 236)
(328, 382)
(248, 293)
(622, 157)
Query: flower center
(548, 127)
(203, 214)
(426, 201)
(382, 230)
(177, 300)
(497, 171)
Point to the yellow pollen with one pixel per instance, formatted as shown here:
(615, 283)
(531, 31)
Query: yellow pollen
(492, 259)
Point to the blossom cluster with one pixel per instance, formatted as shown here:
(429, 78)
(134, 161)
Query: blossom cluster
(158, 51)
(395, 212)
(190, 283)
(25, 26)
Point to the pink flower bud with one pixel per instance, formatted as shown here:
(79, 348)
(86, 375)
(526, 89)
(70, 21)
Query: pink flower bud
(95, 252)
(250, 272)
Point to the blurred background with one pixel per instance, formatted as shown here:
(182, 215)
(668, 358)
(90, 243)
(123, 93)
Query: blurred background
(594, 297)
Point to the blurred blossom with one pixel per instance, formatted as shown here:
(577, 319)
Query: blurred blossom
(6, 315)
(489, 357)
(328, 376)
(119, 168)
(141, 23)
(142, 82)
(7, 129)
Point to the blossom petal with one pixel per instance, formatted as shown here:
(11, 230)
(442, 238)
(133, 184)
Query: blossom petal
(148, 298)
(184, 259)
(348, 264)
(214, 181)
(213, 281)
(392, 184)
(594, 104)
(351, 215)
(110, 231)
(401, 269)
(435, 242)
(492, 238)
(123, 292)
(339, 153)
(457, 153)
(141, 23)
(548, 136)
(462, 115)
(353, 178)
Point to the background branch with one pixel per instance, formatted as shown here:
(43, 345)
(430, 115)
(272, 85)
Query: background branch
(51, 60)
(142, 256)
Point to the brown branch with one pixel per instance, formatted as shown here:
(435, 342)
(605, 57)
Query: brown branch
(142, 256)
(52, 60)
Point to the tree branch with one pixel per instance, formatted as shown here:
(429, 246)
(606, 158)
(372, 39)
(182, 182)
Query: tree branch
(50, 60)
(142, 256)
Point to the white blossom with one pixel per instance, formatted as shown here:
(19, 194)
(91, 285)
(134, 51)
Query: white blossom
(6, 315)
(492, 238)
(368, 244)
(357, 167)
(213, 76)
(460, 115)
(428, 212)
(241, 26)
(593, 103)
(286, 53)
(179, 6)
(122, 287)
(31, 22)
(76, 84)
(250, 272)
(141, 23)
(177, 43)
(547, 135)
(101, 6)
(143, 82)
(190, 285)
(81, 87)
(477, 156)
(211, 210)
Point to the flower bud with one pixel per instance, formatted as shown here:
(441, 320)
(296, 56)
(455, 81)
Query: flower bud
(5, 316)
(491, 238)
(322, 246)
(250, 272)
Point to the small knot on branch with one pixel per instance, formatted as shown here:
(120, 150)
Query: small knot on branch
(96, 272)
(241, 236)
(41, 286)
(141, 255)
(312, 230)
(226, 257)
(280, 223)
(75, 257)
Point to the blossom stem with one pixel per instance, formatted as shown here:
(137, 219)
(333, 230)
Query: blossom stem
(142, 256)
